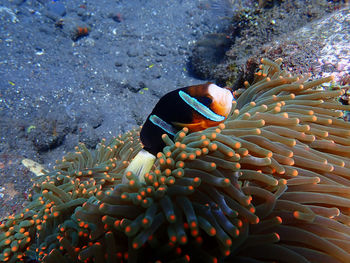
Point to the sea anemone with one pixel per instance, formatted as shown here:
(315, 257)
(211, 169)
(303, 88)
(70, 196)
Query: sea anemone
(269, 184)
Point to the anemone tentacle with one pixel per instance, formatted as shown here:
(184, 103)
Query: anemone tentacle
(271, 183)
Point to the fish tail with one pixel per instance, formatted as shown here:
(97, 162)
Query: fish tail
(140, 165)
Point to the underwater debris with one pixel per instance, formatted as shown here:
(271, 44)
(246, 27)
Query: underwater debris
(270, 184)
(34, 167)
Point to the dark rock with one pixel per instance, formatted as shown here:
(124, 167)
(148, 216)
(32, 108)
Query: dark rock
(118, 64)
(88, 135)
(142, 85)
(275, 32)
(161, 53)
(46, 134)
(116, 16)
(132, 53)
(73, 27)
(132, 65)
(133, 87)
(208, 53)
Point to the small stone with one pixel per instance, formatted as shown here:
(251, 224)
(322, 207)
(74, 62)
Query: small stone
(161, 53)
(116, 16)
(118, 64)
(132, 53)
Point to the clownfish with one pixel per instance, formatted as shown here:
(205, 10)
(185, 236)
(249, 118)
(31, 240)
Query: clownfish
(196, 107)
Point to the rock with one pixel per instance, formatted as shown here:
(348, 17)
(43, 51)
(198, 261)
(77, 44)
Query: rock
(55, 10)
(161, 53)
(116, 16)
(132, 86)
(320, 48)
(46, 134)
(74, 27)
(208, 53)
(254, 30)
(118, 64)
(87, 135)
(132, 53)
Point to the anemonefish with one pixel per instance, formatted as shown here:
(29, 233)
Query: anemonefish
(196, 107)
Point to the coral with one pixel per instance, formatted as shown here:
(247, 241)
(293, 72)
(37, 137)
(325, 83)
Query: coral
(270, 184)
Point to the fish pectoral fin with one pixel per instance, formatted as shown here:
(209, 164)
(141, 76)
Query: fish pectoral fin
(163, 124)
(139, 166)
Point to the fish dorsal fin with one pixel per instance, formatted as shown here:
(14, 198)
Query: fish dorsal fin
(200, 108)
(163, 124)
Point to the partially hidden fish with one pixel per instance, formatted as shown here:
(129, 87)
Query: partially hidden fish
(196, 107)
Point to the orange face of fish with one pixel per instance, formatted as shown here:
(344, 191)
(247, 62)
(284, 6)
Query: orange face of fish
(221, 104)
